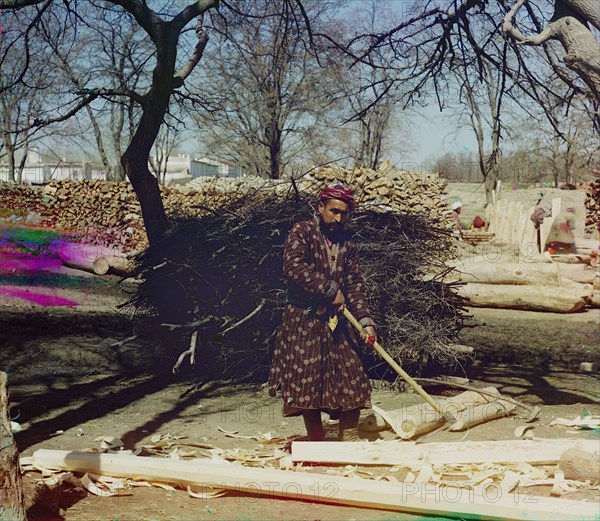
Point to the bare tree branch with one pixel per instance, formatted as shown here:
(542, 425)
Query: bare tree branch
(18, 4)
(187, 69)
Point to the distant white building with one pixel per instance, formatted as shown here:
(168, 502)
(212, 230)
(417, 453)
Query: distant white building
(207, 167)
(40, 170)
(185, 166)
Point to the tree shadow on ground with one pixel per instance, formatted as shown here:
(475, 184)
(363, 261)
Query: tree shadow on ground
(88, 402)
(534, 384)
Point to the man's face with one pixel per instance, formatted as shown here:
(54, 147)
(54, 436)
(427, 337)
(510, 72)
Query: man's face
(334, 214)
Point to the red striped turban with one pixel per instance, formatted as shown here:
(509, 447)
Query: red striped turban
(338, 192)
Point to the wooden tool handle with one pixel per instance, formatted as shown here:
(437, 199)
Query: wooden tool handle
(383, 353)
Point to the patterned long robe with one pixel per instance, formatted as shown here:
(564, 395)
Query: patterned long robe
(313, 367)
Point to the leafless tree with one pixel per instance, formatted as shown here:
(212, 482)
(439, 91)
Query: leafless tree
(569, 25)
(162, 28)
(365, 83)
(482, 96)
(426, 43)
(22, 96)
(273, 96)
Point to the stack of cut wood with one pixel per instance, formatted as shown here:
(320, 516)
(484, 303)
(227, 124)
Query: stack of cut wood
(18, 201)
(592, 205)
(511, 224)
(477, 236)
(97, 211)
(531, 286)
(388, 189)
(109, 214)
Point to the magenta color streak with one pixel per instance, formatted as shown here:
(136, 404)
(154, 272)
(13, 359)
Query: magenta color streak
(40, 299)
(10, 263)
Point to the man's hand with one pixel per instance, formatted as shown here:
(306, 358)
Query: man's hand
(339, 302)
(368, 331)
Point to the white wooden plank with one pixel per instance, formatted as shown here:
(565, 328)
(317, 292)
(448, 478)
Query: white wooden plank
(537, 452)
(411, 497)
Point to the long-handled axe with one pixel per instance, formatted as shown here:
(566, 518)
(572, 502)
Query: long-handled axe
(383, 353)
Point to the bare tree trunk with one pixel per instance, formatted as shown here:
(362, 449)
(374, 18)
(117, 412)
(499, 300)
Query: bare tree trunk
(568, 25)
(135, 158)
(10, 155)
(275, 153)
(117, 118)
(12, 501)
(19, 176)
(99, 141)
(145, 185)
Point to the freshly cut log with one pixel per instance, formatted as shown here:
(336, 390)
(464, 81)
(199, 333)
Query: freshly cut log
(116, 265)
(101, 266)
(74, 259)
(572, 258)
(577, 273)
(120, 266)
(402, 497)
(413, 454)
(12, 502)
(414, 420)
(481, 414)
(460, 349)
(580, 465)
(510, 273)
(88, 257)
(530, 298)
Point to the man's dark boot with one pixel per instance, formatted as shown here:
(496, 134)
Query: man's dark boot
(314, 425)
(348, 429)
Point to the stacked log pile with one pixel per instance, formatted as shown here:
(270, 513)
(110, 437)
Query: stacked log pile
(109, 214)
(95, 211)
(555, 287)
(19, 201)
(103, 213)
(388, 189)
(592, 205)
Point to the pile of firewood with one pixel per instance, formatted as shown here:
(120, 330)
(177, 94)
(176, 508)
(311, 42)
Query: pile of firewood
(17, 201)
(100, 212)
(592, 205)
(388, 189)
(109, 214)
(96, 211)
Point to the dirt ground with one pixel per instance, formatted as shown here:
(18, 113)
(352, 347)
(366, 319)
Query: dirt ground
(72, 382)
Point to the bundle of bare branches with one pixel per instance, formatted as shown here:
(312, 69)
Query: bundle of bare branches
(216, 284)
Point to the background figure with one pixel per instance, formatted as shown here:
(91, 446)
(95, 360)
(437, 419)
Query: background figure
(479, 224)
(540, 212)
(561, 239)
(456, 209)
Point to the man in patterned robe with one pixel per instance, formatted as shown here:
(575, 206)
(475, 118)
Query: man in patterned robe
(315, 367)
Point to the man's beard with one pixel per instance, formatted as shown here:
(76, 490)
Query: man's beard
(335, 233)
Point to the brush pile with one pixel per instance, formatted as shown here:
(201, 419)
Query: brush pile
(216, 283)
